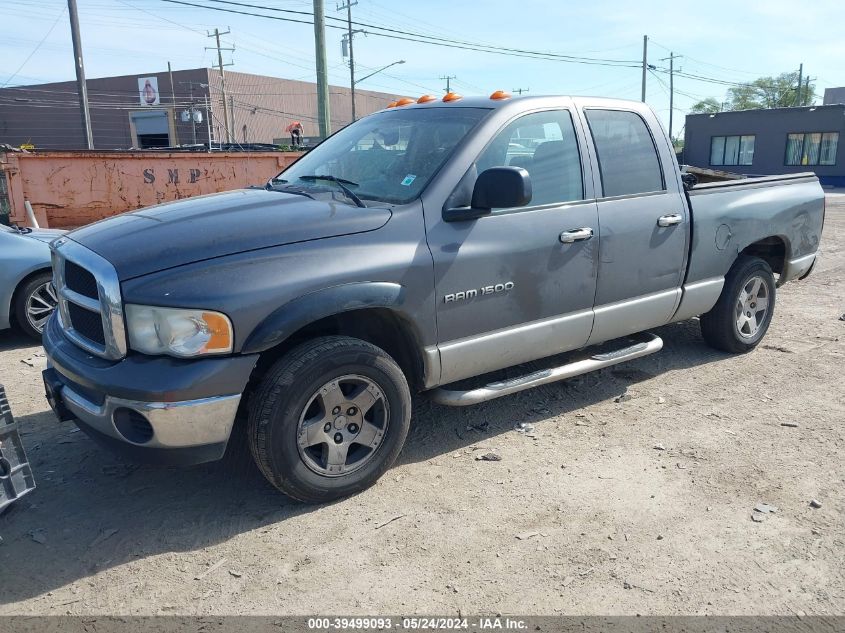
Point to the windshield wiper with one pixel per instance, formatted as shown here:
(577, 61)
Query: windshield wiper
(340, 182)
(286, 188)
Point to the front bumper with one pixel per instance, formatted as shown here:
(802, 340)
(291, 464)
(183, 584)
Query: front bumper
(154, 409)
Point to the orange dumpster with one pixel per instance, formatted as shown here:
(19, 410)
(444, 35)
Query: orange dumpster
(68, 189)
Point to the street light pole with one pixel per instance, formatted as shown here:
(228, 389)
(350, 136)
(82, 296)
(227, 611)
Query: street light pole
(375, 72)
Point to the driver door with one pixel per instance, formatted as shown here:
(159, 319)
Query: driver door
(508, 288)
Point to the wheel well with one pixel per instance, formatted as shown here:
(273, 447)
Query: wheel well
(379, 326)
(771, 249)
(13, 300)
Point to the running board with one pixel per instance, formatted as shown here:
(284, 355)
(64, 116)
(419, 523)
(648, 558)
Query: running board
(652, 344)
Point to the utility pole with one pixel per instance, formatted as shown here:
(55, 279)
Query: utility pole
(448, 79)
(173, 103)
(519, 91)
(193, 120)
(800, 83)
(208, 118)
(234, 138)
(323, 113)
(645, 64)
(806, 92)
(195, 110)
(349, 33)
(81, 86)
(216, 35)
(671, 59)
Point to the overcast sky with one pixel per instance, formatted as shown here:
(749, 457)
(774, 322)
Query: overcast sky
(725, 40)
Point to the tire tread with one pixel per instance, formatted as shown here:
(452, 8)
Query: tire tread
(717, 327)
(281, 376)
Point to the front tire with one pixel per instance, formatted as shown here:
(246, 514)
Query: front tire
(329, 418)
(741, 316)
(35, 301)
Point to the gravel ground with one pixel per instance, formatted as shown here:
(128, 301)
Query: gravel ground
(597, 507)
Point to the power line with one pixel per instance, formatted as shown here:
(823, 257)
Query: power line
(413, 37)
(35, 50)
(449, 41)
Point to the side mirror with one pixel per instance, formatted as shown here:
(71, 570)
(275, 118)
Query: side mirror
(495, 188)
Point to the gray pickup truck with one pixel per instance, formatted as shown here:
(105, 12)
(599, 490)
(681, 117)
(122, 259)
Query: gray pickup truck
(423, 245)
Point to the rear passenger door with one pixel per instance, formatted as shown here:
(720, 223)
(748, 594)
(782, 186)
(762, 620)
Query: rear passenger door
(643, 220)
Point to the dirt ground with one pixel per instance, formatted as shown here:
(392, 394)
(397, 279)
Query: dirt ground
(582, 515)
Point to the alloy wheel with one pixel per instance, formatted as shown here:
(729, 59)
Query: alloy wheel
(342, 425)
(752, 307)
(40, 305)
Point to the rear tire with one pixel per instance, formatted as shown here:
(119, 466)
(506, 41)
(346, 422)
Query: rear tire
(741, 316)
(35, 301)
(329, 418)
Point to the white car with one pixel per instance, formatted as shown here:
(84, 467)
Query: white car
(27, 297)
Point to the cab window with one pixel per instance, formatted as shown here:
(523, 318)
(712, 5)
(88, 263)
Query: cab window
(627, 156)
(544, 144)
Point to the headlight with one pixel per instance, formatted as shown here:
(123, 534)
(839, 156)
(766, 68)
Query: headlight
(178, 332)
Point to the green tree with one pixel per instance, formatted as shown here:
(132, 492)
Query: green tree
(771, 92)
(709, 105)
(764, 92)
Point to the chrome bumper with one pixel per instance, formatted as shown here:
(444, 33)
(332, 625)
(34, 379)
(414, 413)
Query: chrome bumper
(174, 424)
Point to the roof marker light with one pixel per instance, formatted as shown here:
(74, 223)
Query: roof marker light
(426, 99)
(452, 96)
(500, 94)
(392, 104)
(405, 101)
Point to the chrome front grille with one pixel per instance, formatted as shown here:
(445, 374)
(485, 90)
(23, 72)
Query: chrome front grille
(80, 280)
(90, 309)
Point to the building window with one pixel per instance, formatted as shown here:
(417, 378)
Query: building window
(732, 150)
(812, 148)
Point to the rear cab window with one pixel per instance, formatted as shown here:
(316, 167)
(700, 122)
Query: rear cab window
(627, 156)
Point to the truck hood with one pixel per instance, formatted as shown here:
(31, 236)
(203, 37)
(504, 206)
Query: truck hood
(204, 227)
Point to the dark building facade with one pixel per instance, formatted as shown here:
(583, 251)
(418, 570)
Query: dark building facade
(770, 142)
(834, 95)
(167, 109)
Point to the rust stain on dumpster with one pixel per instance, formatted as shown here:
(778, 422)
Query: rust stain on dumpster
(70, 189)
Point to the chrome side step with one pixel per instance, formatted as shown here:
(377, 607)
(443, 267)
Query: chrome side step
(652, 344)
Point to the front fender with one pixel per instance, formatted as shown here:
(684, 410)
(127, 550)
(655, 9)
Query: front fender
(299, 312)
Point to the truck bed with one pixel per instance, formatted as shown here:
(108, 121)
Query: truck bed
(731, 216)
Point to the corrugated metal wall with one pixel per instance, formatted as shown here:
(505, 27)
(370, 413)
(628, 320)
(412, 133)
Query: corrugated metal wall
(47, 115)
(264, 106)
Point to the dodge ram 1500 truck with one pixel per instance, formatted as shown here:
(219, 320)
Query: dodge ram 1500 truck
(422, 245)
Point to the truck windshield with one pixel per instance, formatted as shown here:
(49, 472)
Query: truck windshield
(387, 157)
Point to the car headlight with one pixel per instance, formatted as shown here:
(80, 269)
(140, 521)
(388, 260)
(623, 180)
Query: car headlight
(178, 332)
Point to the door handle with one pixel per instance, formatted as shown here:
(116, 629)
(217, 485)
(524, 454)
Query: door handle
(670, 219)
(576, 235)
